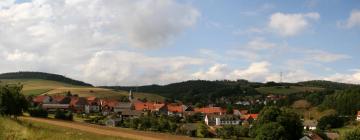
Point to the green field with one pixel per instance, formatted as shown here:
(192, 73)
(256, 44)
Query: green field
(23, 130)
(37, 87)
(284, 90)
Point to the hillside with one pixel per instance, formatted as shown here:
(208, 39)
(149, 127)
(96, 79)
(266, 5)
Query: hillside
(41, 83)
(43, 76)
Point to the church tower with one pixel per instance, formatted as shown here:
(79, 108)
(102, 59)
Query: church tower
(131, 96)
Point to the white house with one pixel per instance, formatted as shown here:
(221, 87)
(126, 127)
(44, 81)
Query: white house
(358, 116)
(310, 124)
(217, 120)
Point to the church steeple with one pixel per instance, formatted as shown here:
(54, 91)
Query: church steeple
(131, 96)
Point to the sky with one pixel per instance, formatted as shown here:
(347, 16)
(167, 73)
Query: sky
(141, 42)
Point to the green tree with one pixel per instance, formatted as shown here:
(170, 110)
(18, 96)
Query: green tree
(330, 121)
(288, 120)
(202, 131)
(12, 102)
(271, 131)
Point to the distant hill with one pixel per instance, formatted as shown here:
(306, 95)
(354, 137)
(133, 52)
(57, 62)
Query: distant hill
(42, 76)
(198, 91)
(328, 84)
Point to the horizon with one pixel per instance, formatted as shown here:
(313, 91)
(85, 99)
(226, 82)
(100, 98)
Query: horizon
(112, 43)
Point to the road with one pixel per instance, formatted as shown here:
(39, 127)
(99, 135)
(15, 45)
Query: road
(109, 131)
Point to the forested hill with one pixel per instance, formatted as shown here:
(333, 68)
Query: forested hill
(329, 84)
(198, 90)
(43, 76)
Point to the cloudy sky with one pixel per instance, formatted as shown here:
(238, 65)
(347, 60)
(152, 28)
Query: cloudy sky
(137, 42)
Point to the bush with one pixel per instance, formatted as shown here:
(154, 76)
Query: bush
(352, 135)
(38, 112)
(64, 115)
(330, 121)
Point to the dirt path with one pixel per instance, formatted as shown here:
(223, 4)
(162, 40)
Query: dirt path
(102, 130)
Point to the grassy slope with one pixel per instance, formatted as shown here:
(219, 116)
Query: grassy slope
(290, 90)
(37, 87)
(15, 130)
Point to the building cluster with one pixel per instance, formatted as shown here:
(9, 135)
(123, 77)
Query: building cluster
(117, 111)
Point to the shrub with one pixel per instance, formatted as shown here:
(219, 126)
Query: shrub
(64, 115)
(38, 112)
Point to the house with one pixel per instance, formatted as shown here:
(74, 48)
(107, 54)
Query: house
(358, 116)
(311, 136)
(42, 99)
(310, 124)
(245, 103)
(123, 106)
(248, 119)
(175, 109)
(131, 114)
(211, 110)
(78, 104)
(59, 99)
(54, 107)
(240, 112)
(217, 120)
(93, 105)
(108, 105)
(150, 106)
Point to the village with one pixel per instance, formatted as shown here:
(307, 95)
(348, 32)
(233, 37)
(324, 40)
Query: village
(116, 111)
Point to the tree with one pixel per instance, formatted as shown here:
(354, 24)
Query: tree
(271, 131)
(202, 131)
(12, 102)
(330, 121)
(284, 117)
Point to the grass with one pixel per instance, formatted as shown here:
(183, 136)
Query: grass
(23, 130)
(37, 87)
(284, 91)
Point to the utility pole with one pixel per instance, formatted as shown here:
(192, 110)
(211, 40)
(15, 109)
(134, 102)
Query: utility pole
(281, 77)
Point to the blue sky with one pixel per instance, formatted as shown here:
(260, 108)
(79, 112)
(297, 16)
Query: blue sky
(169, 41)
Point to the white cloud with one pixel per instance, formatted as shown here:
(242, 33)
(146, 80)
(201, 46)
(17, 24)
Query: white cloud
(323, 56)
(6, 3)
(61, 36)
(353, 77)
(260, 44)
(353, 20)
(129, 68)
(18, 55)
(215, 72)
(256, 71)
(291, 24)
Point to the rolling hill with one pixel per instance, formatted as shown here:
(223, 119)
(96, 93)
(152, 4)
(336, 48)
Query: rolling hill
(37, 86)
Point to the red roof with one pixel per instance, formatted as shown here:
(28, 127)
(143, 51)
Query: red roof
(244, 112)
(77, 101)
(175, 107)
(40, 99)
(148, 106)
(109, 102)
(91, 98)
(58, 98)
(210, 110)
(253, 116)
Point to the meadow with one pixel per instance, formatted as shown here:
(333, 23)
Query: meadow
(24, 130)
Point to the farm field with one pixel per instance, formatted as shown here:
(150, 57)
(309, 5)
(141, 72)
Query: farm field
(31, 130)
(37, 87)
(106, 131)
(284, 90)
